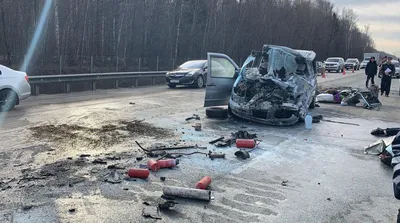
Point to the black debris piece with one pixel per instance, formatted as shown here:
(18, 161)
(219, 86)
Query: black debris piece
(217, 140)
(69, 158)
(99, 161)
(114, 178)
(126, 188)
(242, 154)
(317, 118)
(113, 158)
(146, 203)
(319, 183)
(71, 210)
(329, 199)
(139, 158)
(195, 117)
(317, 105)
(169, 198)
(241, 134)
(151, 212)
(385, 132)
(27, 207)
(167, 205)
(115, 167)
(284, 183)
(162, 178)
(132, 103)
(84, 155)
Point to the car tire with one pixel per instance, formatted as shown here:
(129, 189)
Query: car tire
(10, 98)
(217, 112)
(338, 70)
(200, 81)
(230, 113)
(172, 85)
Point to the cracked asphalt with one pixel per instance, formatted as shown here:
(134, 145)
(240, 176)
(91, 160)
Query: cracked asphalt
(329, 178)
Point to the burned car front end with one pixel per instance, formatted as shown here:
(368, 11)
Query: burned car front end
(275, 86)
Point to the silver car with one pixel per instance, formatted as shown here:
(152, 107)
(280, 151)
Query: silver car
(275, 86)
(14, 87)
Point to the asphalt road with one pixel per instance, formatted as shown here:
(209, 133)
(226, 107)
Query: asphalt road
(329, 178)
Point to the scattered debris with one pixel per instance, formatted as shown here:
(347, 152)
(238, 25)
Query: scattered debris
(169, 198)
(344, 123)
(151, 212)
(27, 207)
(162, 178)
(71, 210)
(168, 163)
(319, 183)
(139, 158)
(385, 132)
(114, 178)
(187, 193)
(167, 205)
(246, 143)
(99, 161)
(216, 155)
(203, 183)
(115, 167)
(132, 103)
(125, 188)
(241, 134)
(153, 165)
(195, 117)
(329, 199)
(138, 173)
(197, 126)
(284, 183)
(113, 158)
(84, 155)
(217, 140)
(317, 118)
(242, 154)
(104, 136)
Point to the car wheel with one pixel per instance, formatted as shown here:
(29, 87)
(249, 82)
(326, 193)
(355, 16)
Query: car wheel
(172, 85)
(338, 70)
(230, 112)
(200, 81)
(8, 100)
(217, 112)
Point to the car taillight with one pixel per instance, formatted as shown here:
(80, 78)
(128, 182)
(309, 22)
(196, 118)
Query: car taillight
(27, 78)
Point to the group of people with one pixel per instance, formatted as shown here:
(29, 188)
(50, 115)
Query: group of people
(386, 71)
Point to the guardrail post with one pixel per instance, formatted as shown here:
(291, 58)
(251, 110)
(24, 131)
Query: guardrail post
(136, 82)
(91, 64)
(93, 85)
(117, 63)
(60, 64)
(153, 81)
(36, 89)
(116, 84)
(67, 87)
(158, 59)
(140, 62)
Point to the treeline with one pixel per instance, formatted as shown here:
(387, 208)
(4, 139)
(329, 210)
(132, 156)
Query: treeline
(167, 32)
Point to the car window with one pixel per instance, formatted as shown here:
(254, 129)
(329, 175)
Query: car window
(351, 60)
(221, 67)
(192, 64)
(332, 60)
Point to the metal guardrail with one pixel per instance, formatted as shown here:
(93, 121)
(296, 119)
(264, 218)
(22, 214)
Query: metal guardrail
(35, 81)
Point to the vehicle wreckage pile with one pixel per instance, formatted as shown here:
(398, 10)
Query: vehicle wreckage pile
(277, 83)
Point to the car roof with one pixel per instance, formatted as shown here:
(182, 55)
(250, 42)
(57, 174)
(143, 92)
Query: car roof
(196, 61)
(308, 55)
(352, 58)
(335, 57)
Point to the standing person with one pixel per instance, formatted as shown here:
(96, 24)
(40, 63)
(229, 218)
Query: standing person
(371, 70)
(387, 70)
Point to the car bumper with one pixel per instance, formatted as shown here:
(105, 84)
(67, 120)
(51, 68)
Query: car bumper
(24, 90)
(250, 115)
(349, 66)
(185, 80)
(331, 68)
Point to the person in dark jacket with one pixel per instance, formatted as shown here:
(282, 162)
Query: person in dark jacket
(388, 70)
(371, 70)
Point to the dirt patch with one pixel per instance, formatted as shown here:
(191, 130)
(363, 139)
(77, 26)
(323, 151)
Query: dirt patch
(107, 135)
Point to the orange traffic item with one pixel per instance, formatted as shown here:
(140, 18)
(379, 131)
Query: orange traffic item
(246, 143)
(153, 165)
(167, 163)
(138, 173)
(203, 183)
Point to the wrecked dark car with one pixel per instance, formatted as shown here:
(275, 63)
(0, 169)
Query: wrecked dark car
(275, 86)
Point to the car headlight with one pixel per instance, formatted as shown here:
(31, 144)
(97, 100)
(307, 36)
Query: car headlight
(191, 73)
(168, 74)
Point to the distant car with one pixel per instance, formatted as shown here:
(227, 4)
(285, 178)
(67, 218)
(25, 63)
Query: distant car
(397, 66)
(14, 87)
(352, 63)
(191, 73)
(334, 64)
(364, 63)
(275, 86)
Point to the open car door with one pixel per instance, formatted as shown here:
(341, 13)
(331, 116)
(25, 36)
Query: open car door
(221, 75)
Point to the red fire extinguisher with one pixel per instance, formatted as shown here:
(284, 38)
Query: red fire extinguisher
(246, 143)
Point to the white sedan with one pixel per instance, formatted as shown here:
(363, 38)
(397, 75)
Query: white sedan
(14, 87)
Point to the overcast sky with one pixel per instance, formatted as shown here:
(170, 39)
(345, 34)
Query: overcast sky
(383, 17)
